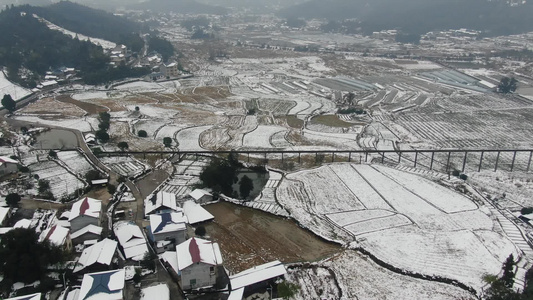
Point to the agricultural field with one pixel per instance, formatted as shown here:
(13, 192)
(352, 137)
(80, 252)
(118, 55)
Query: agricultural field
(402, 219)
(62, 182)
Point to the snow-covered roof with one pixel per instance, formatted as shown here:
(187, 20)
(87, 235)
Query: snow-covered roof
(171, 258)
(73, 295)
(171, 65)
(86, 207)
(236, 294)
(65, 215)
(257, 274)
(196, 213)
(159, 292)
(168, 222)
(131, 239)
(199, 193)
(4, 230)
(101, 252)
(57, 235)
(87, 229)
(100, 181)
(5, 159)
(23, 223)
(106, 285)
(48, 83)
(4, 212)
(195, 250)
(162, 200)
(27, 297)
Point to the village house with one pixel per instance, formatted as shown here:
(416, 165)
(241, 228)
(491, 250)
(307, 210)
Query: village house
(170, 70)
(201, 196)
(8, 165)
(167, 230)
(84, 213)
(196, 213)
(97, 257)
(131, 240)
(198, 262)
(87, 233)
(58, 236)
(107, 285)
(162, 202)
(4, 215)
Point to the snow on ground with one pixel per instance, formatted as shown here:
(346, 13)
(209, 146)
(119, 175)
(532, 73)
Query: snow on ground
(358, 277)
(84, 124)
(124, 165)
(7, 87)
(261, 136)
(62, 183)
(105, 44)
(154, 112)
(405, 220)
(188, 138)
(76, 162)
(141, 86)
(90, 95)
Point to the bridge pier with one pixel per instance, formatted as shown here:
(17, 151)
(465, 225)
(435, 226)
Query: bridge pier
(431, 163)
(416, 158)
(299, 158)
(497, 161)
(512, 163)
(480, 161)
(464, 162)
(448, 164)
(382, 157)
(332, 157)
(366, 156)
(349, 156)
(399, 157)
(529, 161)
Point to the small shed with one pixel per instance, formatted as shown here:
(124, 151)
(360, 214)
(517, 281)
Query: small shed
(201, 196)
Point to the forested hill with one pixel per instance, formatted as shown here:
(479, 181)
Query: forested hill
(180, 6)
(421, 16)
(28, 48)
(92, 22)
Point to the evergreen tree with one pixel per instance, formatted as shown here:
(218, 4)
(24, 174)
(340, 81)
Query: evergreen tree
(507, 85)
(246, 185)
(508, 274)
(8, 103)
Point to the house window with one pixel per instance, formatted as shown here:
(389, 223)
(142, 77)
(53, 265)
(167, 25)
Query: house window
(193, 282)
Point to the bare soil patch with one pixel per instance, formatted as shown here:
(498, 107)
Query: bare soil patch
(50, 106)
(330, 120)
(250, 237)
(88, 107)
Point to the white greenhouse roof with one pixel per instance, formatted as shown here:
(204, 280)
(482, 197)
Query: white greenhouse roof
(257, 274)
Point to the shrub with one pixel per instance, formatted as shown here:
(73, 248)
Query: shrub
(142, 133)
(167, 141)
(13, 199)
(456, 173)
(200, 231)
(526, 210)
(463, 176)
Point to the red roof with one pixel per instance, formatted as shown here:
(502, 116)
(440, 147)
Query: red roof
(50, 232)
(194, 251)
(84, 206)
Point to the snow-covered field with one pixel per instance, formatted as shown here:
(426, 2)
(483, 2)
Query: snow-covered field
(75, 162)
(62, 183)
(403, 219)
(124, 165)
(360, 278)
(9, 88)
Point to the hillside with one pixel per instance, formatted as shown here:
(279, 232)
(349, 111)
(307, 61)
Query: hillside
(180, 6)
(92, 22)
(421, 16)
(28, 48)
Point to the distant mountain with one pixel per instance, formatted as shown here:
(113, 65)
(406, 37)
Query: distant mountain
(92, 22)
(180, 6)
(421, 16)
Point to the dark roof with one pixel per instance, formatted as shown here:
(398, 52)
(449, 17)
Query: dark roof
(100, 284)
